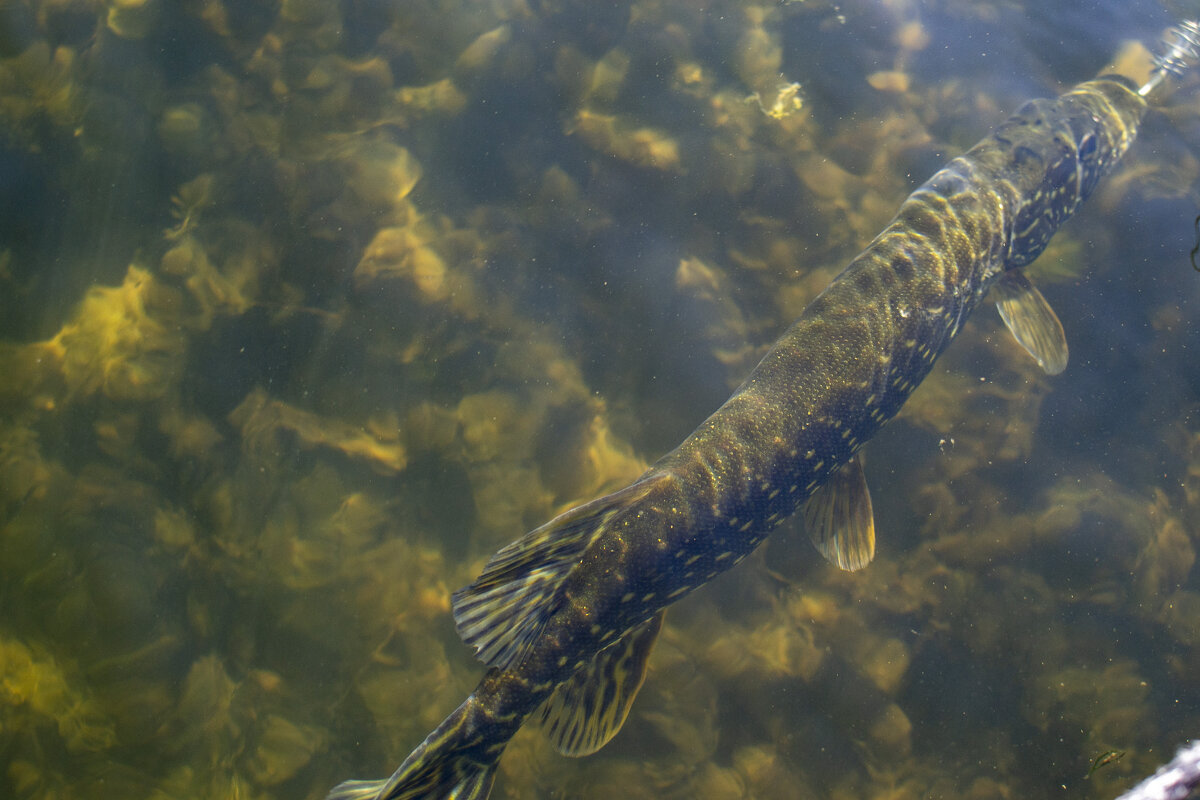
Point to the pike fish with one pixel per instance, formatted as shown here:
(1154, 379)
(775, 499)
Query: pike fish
(565, 617)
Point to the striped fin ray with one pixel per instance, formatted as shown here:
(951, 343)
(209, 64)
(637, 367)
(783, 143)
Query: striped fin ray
(840, 520)
(585, 712)
(446, 766)
(508, 605)
(1031, 320)
(356, 790)
(474, 786)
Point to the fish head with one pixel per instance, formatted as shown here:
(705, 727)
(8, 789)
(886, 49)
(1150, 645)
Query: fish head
(1059, 150)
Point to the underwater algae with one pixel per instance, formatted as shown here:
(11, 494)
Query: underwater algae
(407, 279)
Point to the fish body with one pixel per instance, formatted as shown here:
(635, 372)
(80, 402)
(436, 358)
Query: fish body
(566, 616)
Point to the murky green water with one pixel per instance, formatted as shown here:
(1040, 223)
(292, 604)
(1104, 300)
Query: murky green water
(309, 307)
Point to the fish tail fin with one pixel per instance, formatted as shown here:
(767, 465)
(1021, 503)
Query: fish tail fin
(474, 786)
(450, 764)
(356, 790)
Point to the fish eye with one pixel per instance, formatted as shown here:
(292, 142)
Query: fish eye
(1087, 146)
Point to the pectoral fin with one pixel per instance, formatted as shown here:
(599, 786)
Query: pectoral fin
(839, 518)
(1032, 321)
(588, 710)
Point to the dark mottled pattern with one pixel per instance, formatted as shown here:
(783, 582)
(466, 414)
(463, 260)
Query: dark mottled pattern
(859, 350)
(825, 388)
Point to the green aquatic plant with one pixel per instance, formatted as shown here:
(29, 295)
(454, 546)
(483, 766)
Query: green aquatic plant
(466, 313)
(41, 83)
(37, 693)
(132, 19)
(192, 199)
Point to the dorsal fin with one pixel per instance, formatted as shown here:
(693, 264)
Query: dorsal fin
(839, 518)
(1032, 322)
(585, 712)
(507, 606)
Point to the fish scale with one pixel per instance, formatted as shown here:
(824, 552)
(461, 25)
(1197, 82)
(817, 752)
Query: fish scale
(570, 612)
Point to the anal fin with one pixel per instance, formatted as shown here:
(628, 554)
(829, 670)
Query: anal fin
(507, 606)
(1031, 320)
(839, 518)
(585, 712)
